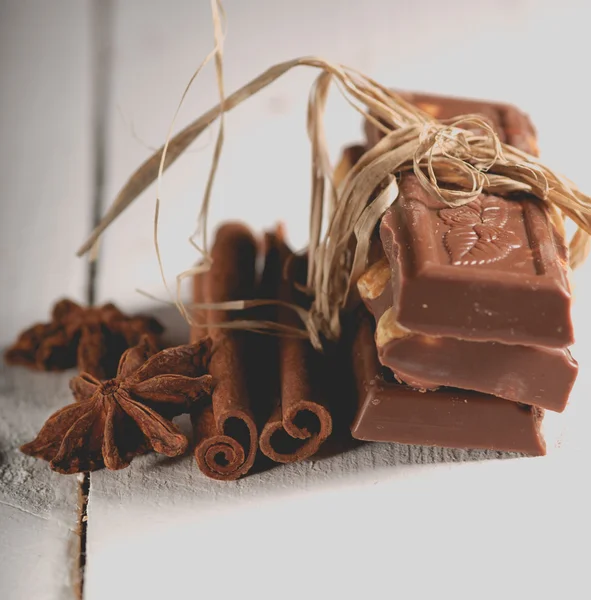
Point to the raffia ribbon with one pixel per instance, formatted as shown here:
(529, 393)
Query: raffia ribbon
(440, 153)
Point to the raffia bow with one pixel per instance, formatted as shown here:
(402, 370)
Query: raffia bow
(453, 163)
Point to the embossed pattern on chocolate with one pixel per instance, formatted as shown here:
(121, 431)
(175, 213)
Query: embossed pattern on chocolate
(477, 231)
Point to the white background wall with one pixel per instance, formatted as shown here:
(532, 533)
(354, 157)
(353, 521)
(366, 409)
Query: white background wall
(68, 109)
(522, 51)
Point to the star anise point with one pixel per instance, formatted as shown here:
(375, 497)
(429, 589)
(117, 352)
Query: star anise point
(116, 419)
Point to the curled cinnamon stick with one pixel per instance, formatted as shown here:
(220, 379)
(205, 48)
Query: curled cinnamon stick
(225, 431)
(300, 420)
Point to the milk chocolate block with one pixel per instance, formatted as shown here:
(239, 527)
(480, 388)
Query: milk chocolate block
(492, 270)
(509, 123)
(529, 374)
(392, 412)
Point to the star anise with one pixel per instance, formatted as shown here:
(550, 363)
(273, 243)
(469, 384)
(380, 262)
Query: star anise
(91, 338)
(112, 421)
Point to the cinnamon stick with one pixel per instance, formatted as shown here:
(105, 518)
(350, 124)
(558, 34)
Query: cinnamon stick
(225, 431)
(300, 420)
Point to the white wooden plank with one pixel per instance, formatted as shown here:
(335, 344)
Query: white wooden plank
(489, 529)
(322, 528)
(45, 185)
(45, 156)
(39, 543)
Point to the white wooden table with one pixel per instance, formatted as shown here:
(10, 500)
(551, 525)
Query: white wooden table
(81, 83)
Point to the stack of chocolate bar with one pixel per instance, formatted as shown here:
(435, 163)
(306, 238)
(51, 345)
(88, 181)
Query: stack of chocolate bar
(471, 313)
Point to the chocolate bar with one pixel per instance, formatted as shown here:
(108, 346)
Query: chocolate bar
(529, 374)
(391, 412)
(492, 270)
(509, 123)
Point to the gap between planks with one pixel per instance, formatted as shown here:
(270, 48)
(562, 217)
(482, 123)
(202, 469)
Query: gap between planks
(101, 48)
